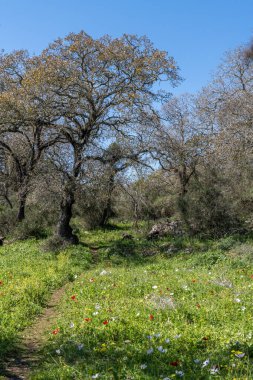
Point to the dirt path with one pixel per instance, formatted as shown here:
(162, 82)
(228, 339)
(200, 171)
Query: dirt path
(18, 367)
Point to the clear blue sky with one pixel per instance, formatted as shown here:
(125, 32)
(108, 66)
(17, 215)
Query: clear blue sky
(195, 32)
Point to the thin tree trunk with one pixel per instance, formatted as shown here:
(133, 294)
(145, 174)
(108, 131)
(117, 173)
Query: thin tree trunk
(107, 213)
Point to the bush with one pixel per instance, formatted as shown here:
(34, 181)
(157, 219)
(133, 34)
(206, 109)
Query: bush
(54, 244)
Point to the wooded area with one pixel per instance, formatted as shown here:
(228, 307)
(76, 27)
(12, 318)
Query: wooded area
(87, 131)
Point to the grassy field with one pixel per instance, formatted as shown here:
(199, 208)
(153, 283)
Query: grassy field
(176, 308)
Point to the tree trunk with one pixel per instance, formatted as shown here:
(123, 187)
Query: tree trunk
(21, 205)
(65, 231)
(107, 213)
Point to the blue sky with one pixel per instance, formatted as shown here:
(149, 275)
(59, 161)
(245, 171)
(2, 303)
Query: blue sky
(195, 32)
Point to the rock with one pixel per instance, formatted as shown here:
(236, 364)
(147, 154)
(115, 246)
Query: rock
(167, 228)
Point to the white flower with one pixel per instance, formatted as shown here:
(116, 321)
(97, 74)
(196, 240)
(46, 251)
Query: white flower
(161, 349)
(177, 336)
(154, 287)
(185, 287)
(95, 313)
(97, 306)
(196, 361)
(143, 366)
(103, 273)
(179, 373)
(71, 325)
(167, 340)
(157, 335)
(171, 294)
(237, 300)
(205, 363)
(243, 308)
(149, 336)
(58, 352)
(214, 370)
(138, 314)
(80, 346)
(75, 276)
(96, 376)
(241, 355)
(150, 351)
(176, 270)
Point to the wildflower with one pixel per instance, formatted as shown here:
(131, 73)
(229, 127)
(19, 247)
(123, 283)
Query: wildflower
(239, 354)
(71, 325)
(96, 376)
(154, 287)
(167, 340)
(55, 332)
(80, 346)
(95, 313)
(157, 335)
(87, 319)
(138, 314)
(1, 282)
(198, 305)
(214, 370)
(205, 363)
(103, 273)
(143, 366)
(58, 352)
(179, 373)
(175, 363)
(105, 322)
(150, 351)
(151, 317)
(73, 297)
(161, 349)
(92, 280)
(97, 306)
(243, 308)
(177, 336)
(196, 361)
(149, 336)
(237, 300)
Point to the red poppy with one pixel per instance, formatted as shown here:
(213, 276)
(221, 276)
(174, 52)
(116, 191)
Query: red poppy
(105, 322)
(193, 280)
(55, 332)
(151, 317)
(73, 297)
(87, 319)
(175, 363)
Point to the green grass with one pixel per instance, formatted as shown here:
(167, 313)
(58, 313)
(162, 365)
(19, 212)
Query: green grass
(142, 310)
(27, 277)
